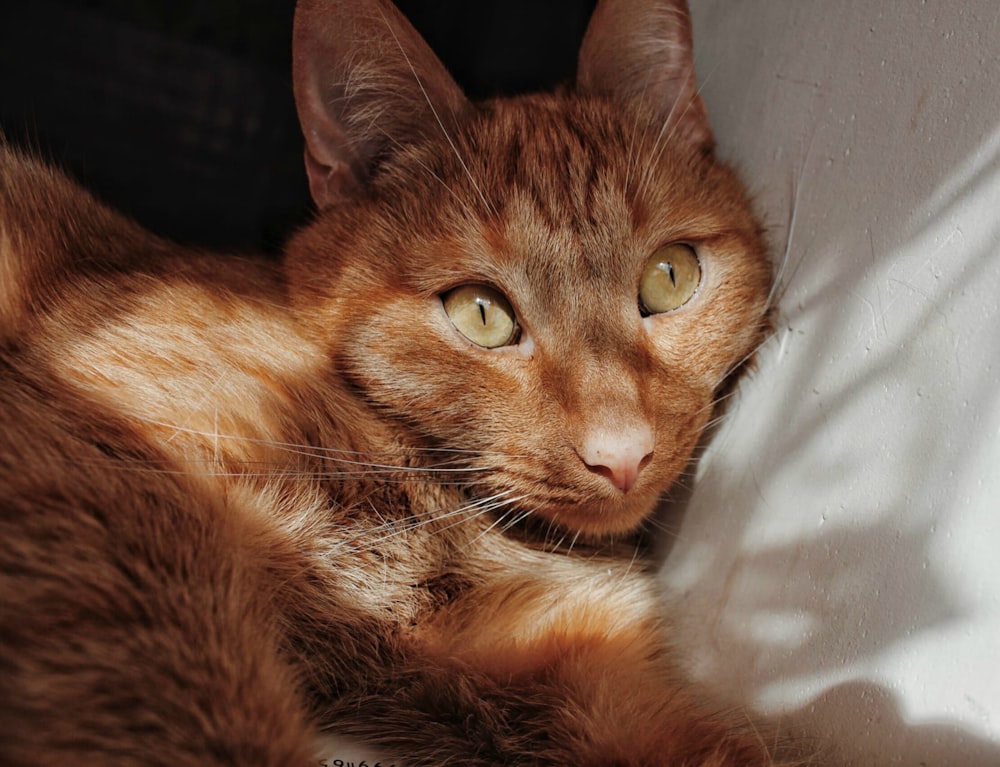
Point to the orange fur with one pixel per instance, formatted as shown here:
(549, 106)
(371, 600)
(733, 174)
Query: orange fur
(244, 503)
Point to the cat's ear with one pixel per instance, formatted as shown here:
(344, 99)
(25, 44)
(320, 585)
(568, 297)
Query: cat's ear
(365, 83)
(640, 51)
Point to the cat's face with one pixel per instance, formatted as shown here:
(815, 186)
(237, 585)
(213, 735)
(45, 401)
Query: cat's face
(554, 287)
(513, 297)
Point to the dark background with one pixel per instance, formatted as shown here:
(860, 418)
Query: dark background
(180, 113)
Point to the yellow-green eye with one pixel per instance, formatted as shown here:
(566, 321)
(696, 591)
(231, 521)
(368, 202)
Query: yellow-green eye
(481, 314)
(671, 277)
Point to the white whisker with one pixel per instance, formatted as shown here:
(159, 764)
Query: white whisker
(780, 283)
(444, 131)
(472, 509)
(458, 198)
(572, 543)
(672, 120)
(317, 452)
(518, 519)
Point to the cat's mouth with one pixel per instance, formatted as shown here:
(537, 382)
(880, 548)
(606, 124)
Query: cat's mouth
(601, 518)
(588, 504)
(609, 484)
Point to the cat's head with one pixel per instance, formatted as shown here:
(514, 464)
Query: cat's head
(559, 284)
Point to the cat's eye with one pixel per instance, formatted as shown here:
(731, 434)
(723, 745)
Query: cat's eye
(671, 278)
(481, 314)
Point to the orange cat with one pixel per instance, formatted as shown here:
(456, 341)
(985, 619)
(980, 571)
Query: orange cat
(244, 504)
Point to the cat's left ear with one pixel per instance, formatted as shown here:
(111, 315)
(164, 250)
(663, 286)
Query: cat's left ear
(365, 84)
(640, 52)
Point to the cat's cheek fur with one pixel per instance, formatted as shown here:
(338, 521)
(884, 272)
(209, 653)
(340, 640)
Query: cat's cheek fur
(523, 416)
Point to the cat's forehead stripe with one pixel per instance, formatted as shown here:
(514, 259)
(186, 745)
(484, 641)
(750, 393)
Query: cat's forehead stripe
(558, 158)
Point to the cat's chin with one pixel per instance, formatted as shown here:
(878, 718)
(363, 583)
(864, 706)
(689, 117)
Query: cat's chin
(603, 518)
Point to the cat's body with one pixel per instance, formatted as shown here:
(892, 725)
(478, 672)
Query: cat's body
(244, 502)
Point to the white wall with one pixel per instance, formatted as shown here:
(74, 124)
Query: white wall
(839, 562)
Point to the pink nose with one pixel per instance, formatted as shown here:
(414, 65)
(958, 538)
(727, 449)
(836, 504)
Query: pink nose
(618, 455)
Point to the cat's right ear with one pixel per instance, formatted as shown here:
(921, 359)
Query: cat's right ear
(640, 52)
(365, 84)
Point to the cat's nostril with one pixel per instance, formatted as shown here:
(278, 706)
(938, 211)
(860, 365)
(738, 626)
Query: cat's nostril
(618, 456)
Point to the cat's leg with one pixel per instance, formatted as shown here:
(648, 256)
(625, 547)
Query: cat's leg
(564, 663)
